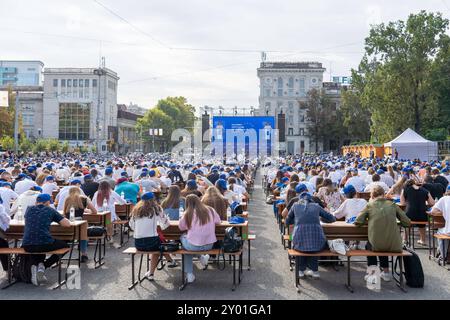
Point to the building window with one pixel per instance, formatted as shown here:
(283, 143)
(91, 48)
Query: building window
(86, 83)
(81, 83)
(302, 118)
(302, 131)
(27, 119)
(55, 83)
(291, 120)
(69, 83)
(290, 131)
(63, 83)
(94, 83)
(74, 121)
(111, 85)
(302, 87)
(291, 82)
(75, 83)
(280, 87)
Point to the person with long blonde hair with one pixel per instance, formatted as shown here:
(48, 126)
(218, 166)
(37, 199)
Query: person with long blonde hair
(81, 204)
(214, 199)
(200, 223)
(145, 218)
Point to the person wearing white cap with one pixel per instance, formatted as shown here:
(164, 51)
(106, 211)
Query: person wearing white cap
(443, 207)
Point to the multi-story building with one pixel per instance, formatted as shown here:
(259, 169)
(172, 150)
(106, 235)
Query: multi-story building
(80, 106)
(127, 137)
(21, 73)
(283, 87)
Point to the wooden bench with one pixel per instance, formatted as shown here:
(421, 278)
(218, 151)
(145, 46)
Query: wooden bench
(350, 254)
(17, 251)
(443, 237)
(235, 256)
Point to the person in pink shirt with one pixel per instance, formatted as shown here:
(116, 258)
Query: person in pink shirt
(200, 223)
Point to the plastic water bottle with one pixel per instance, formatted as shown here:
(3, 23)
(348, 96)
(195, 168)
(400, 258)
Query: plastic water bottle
(105, 205)
(19, 213)
(122, 195)
(228, 214)
(181, 212)
(72, 214)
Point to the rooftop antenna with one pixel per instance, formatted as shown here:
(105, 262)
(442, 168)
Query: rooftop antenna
(263, 56)
(103, 62)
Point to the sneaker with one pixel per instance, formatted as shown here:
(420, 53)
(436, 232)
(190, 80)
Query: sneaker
(34, 279)
(149, 276)
(84, 259)
(172, 264)
(41, 273)
(386, 276)
(190, 277)
(313, 274)
(204, 260)
(301, 274)
(420, 242)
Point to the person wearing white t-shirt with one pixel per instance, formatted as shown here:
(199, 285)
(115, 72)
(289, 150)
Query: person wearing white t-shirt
(376, 181)
(352, 206)
(23, 185)
(25, 200)
(443, 207)
(356, 181)
(8, 195)
(64, 192)
(386, 178)
(49, 185)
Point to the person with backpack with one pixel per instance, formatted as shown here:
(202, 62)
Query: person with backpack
(381, 216)
(37, 237)
(199, 221)
(308, 237)
(146, 216)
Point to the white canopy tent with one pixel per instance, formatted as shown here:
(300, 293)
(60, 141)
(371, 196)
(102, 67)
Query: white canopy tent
(411, 145)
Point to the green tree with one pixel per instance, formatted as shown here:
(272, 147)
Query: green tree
(155, 119)
(40, 145)
(7, 143)
(65, 146)
(322, 125)
(53, 145)
(25, 145)
(177, 108)
(394, 74)
(355, 118)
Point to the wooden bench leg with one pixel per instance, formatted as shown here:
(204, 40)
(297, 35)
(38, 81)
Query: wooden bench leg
(249, 249)
(133, 282)
(401, 284)
(348, 285)
(60, 283)
(183, 278)
(241, 260)
(234, 272)
(296, 276)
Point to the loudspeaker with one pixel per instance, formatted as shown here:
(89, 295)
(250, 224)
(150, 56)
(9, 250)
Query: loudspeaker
(205, 127)
(281, 126)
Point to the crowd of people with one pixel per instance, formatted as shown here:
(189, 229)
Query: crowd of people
(198, 195)
(324, 188)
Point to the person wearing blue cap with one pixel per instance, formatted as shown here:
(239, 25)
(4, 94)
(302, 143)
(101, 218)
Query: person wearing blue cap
(108, 178)
(191, 188)
(352, 206)
(89, 186)
(308, 234)
(26, 200)
(49, 185)
(214, 175)
(37, 237)
(442, 207)
(129, 189)
(145, 218)
(23, 183)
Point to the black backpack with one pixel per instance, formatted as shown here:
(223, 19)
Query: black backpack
(413, 271)
(232, 242)
(21, 268)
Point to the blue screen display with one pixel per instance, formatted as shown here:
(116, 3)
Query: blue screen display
(221, 123)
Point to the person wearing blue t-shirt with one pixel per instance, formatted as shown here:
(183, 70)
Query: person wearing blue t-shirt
(37, 237)
(130, 190)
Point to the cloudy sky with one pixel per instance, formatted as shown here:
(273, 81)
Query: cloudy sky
(205, 50)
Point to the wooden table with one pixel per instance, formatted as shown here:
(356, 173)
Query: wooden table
(173, 232)
(102, 218)
(345, 231)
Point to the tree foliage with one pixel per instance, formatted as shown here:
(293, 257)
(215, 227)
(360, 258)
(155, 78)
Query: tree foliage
(403, 79)
(169, 114)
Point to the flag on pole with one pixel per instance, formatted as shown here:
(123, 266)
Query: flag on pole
(4, 101)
